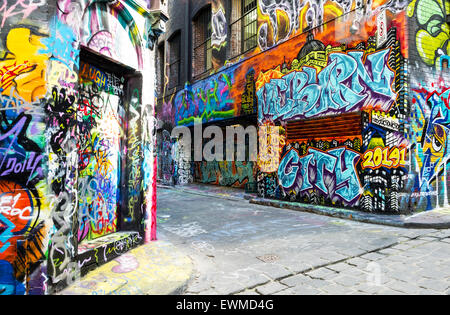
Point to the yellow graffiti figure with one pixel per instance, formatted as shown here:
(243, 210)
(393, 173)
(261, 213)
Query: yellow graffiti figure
(435, 144)
(433, 33)
(23, 67)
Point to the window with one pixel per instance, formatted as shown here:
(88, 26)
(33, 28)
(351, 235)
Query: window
(160, 69)
(174, 60)
(444, 63)
(202, 28)
(244, 26)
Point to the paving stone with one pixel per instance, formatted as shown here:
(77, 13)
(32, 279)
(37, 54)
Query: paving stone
(401, 276)
(436, 285)
(395, 258)
(208, 292)
(402, 246)
(354, 272)
(389, 251)
(431, 273)
(407, 288)
(296, 267)
(417, 242)
(322, 273)
(227, 287)
(387, 291)
(198, 287)
(248, 292)
(373, 256)
(333, 257)
(358, 262)
(303, 290)
(271, 288)
(428, 238)
(336, 289)
(347, 281)
(295, 280)
(369, 289)
(339, 266)
(288, 291)
(351, 252)
(274, 271)
(253, 280)
(429, 292)
(316, 283)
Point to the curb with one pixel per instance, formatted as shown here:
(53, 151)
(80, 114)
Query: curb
(417, 221)
(157, 268)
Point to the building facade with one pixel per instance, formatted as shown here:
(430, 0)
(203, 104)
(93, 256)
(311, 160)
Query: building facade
(78, 166)
(356, 91)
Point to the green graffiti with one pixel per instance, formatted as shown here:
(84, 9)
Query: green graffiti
(433, 33)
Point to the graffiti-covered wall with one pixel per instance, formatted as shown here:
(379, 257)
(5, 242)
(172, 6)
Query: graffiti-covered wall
(331, 78)
(342, 102)
(357, 92)
(63, 142)
(429, 84)
(26, 215)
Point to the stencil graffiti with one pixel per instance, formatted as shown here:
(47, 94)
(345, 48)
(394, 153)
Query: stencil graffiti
(219, 29)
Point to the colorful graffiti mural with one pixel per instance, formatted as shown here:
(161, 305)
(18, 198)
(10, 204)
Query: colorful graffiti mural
(314, 172)
(206, 100)
(316, 60)
(432, 34)
(60, 133)
(100, 118)
(225, 173)
(345, 84)
(166, 159)
(271, 142)
(429, 142)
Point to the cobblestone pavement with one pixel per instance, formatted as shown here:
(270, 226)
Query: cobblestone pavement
(242, 248)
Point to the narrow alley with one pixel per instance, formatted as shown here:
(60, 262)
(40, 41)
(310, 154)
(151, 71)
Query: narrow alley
(242, 248)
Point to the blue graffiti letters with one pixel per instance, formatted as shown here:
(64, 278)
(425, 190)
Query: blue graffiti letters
(333, 173)
(346, 84)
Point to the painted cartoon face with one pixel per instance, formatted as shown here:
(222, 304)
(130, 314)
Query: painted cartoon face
(435, 144)
(432, 37)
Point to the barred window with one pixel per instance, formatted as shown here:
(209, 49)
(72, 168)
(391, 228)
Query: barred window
(244, 26)
(202, 31)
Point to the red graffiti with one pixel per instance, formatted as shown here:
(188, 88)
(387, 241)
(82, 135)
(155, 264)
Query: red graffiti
(10, 72)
